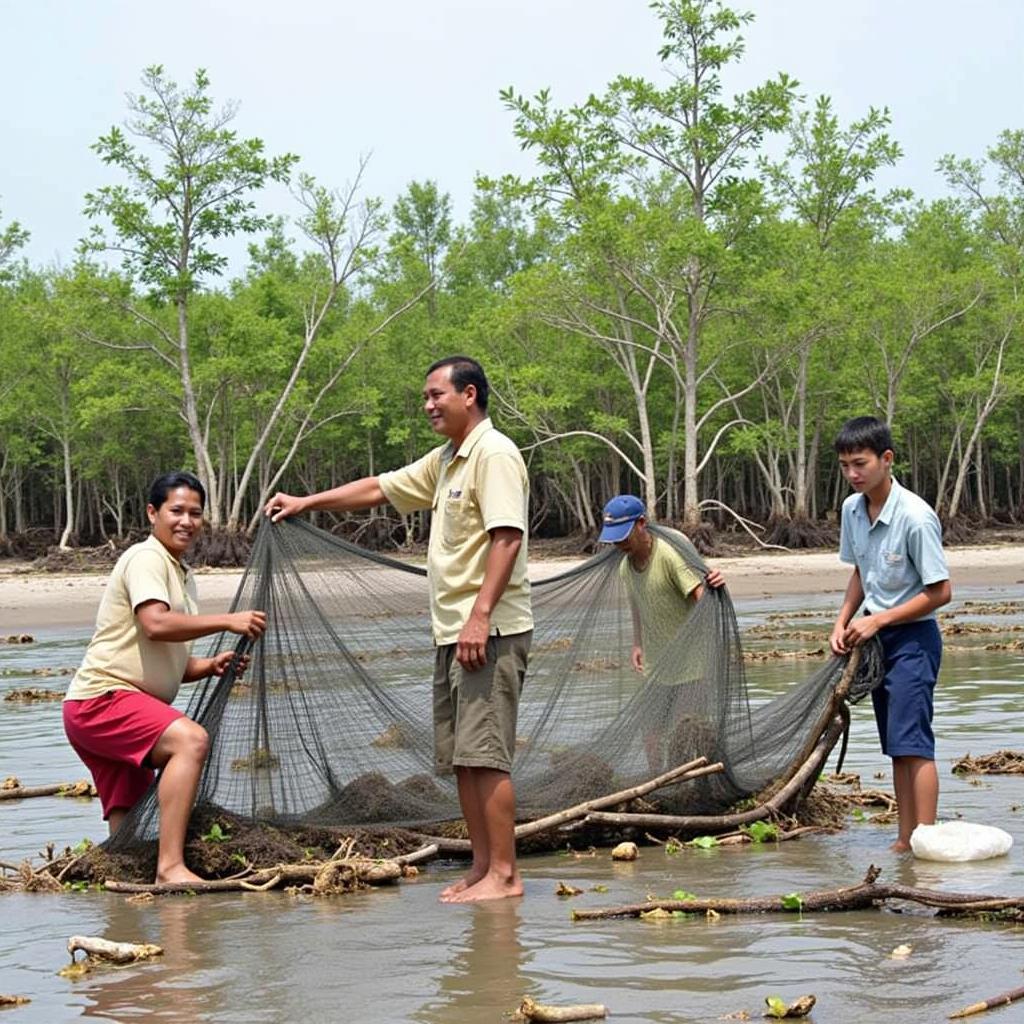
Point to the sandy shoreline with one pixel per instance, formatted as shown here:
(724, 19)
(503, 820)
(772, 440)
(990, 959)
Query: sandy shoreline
(37, 600)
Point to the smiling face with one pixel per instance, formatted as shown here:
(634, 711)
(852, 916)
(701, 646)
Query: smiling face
(177, 522)
(451, 413)
(865, 471)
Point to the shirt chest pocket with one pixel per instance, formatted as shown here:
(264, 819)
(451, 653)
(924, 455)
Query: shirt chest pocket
(892, 567)
(458, 518)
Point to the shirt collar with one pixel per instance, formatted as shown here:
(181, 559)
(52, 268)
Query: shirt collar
(182, 567)
(470, 440)
(888, 509)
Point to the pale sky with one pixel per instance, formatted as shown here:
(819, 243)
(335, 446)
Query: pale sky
(417, 83)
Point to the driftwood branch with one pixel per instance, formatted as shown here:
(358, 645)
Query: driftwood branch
(1003, 999)
(683, 773)
(81, 788)
(113, 952)
(868, 893)
(530, 1009)
(708, 824)
(323, 876)
(423, 853)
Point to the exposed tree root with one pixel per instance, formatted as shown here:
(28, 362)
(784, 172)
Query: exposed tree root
(865, 895)
(800, 532)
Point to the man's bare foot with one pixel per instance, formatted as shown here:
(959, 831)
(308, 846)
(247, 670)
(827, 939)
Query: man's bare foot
(490, 887)
(469, 879)
(177, 876)
(900, 846)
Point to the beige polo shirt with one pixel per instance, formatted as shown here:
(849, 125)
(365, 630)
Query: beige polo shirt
(478, 488)
(119, 656)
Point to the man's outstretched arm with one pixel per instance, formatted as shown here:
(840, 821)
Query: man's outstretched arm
(350, 497)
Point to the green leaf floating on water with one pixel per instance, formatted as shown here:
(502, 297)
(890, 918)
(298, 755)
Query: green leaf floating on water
(704, 842)
(682, 894)
(776, 1007)
(792, 901)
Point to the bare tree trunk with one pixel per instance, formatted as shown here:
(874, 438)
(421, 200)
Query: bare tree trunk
(190, 412)
(691, 496)
(69, 495)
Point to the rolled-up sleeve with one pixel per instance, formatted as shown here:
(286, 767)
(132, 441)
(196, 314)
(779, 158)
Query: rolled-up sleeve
(412, 487)
(924, 545)
(502, 489)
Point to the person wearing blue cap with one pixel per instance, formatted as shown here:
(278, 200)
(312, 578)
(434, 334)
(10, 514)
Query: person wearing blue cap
(662, 588)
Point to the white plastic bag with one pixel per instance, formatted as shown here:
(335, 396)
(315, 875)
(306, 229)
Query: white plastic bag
(959, 840)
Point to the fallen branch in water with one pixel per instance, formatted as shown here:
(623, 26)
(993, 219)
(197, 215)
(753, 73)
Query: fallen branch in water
(865, 895)
(112, 952)
(529, 1009)
(323, 878)
(708, 824)
(741, 838)
(19, 792)
(423, 853)
(1003, 999)
(13, 1000)
(683, 773)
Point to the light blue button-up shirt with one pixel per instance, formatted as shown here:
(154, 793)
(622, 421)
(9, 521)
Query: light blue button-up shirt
(899, 554)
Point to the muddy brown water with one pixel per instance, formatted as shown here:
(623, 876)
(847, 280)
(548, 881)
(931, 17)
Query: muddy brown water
(399, 955)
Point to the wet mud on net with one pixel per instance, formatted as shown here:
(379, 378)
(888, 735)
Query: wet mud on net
(331, 727)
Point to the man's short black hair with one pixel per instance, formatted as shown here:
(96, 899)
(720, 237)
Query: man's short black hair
(864, 432)
(465, 370)
(163, 485)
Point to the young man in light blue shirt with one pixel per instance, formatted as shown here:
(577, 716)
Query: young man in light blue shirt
(894, 541)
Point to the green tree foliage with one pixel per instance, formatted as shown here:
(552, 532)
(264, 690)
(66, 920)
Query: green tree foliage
(660, 307)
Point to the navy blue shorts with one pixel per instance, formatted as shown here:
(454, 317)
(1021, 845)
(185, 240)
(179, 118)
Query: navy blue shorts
(903, 703)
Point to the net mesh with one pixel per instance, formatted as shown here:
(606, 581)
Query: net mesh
(332, 723)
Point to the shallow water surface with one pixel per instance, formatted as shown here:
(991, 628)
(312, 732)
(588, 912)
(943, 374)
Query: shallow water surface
(399, 955)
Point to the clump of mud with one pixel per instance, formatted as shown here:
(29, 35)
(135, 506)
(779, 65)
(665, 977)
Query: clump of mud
(33, 696)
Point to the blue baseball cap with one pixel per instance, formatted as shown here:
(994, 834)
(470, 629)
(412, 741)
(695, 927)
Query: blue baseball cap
(620, 515)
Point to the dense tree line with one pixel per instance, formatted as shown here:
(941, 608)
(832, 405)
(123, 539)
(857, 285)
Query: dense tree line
(661, 308)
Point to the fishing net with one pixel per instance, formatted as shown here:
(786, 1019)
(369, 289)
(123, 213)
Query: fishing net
(332, 723)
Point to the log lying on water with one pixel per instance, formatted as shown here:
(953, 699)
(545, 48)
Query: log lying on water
(862, 896)
(530, 1009)
(18, 792)
(1003, 999)
(112, 952)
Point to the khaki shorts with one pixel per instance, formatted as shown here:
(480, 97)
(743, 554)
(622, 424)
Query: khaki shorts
(475, 712)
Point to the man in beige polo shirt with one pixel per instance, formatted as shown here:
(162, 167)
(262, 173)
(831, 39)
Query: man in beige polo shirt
(477, 488)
